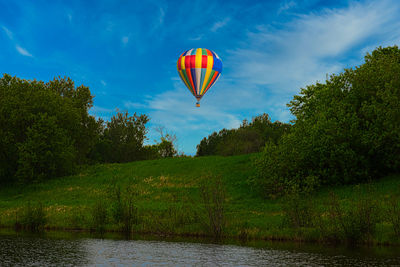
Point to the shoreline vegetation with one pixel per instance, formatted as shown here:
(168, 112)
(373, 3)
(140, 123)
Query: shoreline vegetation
(202, 197)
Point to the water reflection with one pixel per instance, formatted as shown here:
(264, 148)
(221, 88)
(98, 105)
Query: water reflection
(72, 249)
(34, 250)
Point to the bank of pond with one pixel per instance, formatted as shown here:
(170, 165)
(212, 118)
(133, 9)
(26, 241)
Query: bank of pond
(203, 197)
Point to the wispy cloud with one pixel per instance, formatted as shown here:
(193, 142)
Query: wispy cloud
(125, 40)
(309, 46)
(161, 16)
(69, 16)
(175, 109)
(9, 33)
(103, 82)
(131, 104)
(197, 38)
(286, 6)
(23, 51)
(220, 24)
(19, 49)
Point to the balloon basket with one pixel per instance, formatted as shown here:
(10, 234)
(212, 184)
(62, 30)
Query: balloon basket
(198, 104)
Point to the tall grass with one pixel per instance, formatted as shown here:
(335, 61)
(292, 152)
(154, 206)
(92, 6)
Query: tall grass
(352, 223)
(393, 213)
(33, 218)
(99, 216)
(298, 211)
(213, 197)
(124, 212)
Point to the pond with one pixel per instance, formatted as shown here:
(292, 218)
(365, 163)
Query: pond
(71, 249)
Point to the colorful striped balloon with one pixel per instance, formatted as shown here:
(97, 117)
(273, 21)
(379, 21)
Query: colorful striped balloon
(199, 69)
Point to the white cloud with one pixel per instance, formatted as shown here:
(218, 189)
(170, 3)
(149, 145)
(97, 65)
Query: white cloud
(125, 40)
(23, 51)
(9, 33)
(286, 6)
(310, 46)
(103, 82)
(161, 17)
(197, 38)
(130, 104)
(176, 109)
(220, 24)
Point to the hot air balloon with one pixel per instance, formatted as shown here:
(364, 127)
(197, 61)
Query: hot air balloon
(199, 69)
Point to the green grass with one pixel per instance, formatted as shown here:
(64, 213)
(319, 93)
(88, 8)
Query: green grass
(167, 196)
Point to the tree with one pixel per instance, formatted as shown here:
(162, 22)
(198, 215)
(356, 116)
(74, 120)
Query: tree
(122, 138)
(347, 130)
(250, 137)
(45, 128)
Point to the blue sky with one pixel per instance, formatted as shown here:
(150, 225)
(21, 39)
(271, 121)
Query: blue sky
(126, 52)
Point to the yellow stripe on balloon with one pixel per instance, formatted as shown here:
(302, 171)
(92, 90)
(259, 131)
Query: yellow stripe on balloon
(198, 58)
(183, 63)
(210, 63)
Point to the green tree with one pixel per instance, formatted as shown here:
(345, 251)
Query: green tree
(347, 130)
(46, 129)
(123, 137)
(248, 138)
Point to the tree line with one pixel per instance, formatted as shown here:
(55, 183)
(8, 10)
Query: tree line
(250, 137)
(46, 131)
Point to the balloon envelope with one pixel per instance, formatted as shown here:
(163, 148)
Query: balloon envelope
(199, 69)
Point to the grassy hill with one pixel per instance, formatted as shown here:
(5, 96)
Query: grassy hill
(167, 199)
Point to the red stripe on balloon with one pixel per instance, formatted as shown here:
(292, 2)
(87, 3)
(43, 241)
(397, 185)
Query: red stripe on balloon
(187, 62)
(193, 61)
(204, 62)
(179, 63)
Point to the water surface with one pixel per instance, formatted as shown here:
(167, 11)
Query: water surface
(68, 249)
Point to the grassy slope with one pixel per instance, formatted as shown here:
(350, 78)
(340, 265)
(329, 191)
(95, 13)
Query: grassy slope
(165, 187)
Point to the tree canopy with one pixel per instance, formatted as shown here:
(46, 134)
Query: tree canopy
(347, 130)
(46, 131)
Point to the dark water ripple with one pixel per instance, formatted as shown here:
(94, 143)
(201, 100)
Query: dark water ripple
(25, 250)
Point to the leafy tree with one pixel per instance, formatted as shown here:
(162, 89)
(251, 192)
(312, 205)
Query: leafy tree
(347, 130)
(46, 130)
(122, 138)
(248, 138)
